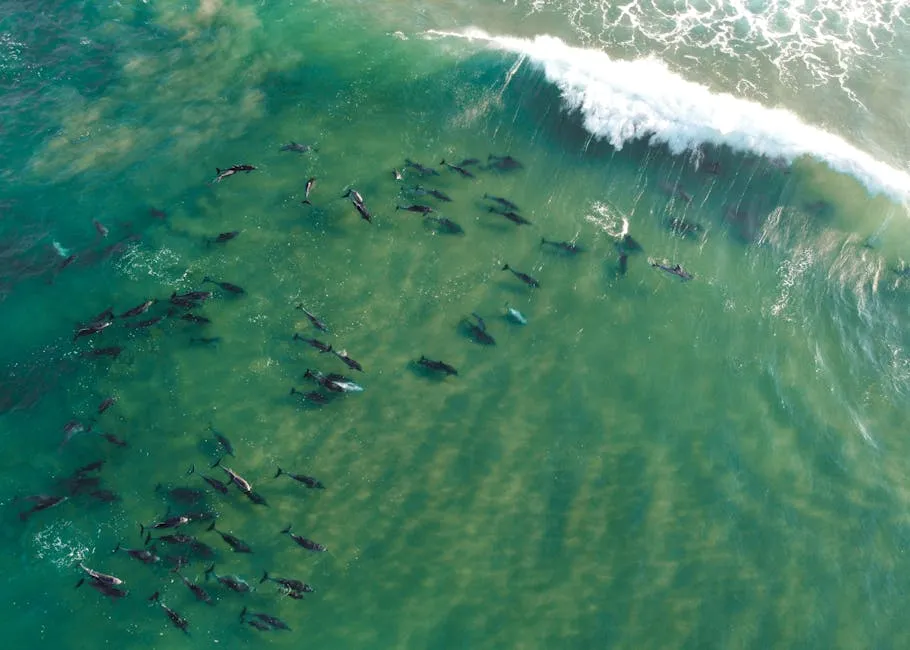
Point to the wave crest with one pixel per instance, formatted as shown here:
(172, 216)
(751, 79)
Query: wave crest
(620, 101)
(830, 39)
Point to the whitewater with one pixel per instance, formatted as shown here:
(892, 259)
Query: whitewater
(622, 101)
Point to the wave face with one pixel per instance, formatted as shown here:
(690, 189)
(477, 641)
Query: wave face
(621, 101)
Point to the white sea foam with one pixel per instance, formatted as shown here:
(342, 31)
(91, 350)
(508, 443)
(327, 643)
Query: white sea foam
(620, 101)
(62, 544)
(830, 39)
(162, 263)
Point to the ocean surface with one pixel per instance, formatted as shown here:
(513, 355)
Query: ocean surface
(708, 455)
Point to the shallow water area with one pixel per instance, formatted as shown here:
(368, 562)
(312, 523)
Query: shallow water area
(648, 462)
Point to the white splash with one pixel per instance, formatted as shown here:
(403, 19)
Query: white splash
(620, 101)
(62, 544)
(163, 264)
(61, 251)
(608, 219)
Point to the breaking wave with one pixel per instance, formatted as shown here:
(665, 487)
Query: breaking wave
(621, 101)
(833, 40)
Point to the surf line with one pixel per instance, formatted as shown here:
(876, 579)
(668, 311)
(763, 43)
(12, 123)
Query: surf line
(620, 101)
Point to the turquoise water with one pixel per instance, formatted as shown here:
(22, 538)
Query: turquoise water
(646, 463)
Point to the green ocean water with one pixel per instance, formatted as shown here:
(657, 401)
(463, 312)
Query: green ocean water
(646, 464)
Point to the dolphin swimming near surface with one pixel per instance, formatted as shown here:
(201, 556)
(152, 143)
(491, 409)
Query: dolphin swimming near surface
(524, 277)
(230, 171)
(515, 316)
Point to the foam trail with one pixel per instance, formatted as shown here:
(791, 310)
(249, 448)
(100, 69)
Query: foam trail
(627, 100)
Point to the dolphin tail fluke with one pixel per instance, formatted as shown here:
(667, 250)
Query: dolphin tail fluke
(265, 576)
(279, 473)
(506, 267)
(286, 530)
